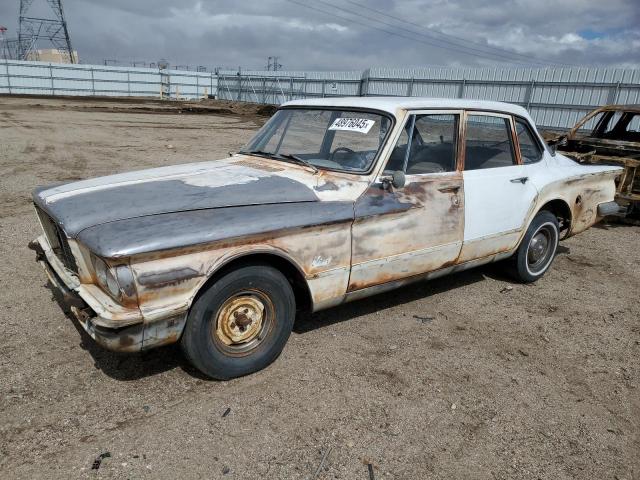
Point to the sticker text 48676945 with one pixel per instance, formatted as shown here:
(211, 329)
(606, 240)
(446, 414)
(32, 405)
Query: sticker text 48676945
(362, 125)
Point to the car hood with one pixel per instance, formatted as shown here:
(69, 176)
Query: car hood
(234, 182)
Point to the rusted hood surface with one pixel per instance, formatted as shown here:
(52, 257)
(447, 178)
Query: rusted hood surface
(168, 231)
(182, 188)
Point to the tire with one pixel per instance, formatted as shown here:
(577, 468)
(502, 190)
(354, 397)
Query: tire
(537, 249)
(240, 323)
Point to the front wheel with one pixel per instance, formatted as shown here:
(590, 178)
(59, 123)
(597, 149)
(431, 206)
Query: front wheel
(538, 248)
(241, 323)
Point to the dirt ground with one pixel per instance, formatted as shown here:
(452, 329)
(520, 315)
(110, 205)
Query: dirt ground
(457, 378)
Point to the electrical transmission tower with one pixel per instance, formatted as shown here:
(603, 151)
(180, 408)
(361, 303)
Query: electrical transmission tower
(9, 47)
(272, 64)
(54, 30)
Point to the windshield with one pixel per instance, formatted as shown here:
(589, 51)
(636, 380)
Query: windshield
(332, 139)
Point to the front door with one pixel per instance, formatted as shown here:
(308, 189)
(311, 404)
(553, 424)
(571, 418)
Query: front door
(497, 191)
(399, 233)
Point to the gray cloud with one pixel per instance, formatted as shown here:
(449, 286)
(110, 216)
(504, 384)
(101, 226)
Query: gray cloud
(231, 33)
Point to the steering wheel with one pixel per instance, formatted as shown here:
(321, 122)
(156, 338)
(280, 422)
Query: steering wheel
(354, 161)
(340, 149)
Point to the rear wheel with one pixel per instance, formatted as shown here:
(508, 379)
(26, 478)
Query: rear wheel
(538, 248)
(241, 323)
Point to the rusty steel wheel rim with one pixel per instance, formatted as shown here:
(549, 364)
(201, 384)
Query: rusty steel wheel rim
(242, 322)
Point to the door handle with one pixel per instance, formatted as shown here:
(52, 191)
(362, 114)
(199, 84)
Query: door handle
(521, 180)
(449, 189)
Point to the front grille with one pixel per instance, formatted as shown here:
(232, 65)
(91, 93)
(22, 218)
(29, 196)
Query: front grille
(58, 240)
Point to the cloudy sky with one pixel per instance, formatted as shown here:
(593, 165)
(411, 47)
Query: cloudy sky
(351, 34)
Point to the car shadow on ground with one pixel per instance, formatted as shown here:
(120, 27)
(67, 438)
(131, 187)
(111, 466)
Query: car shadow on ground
(421, 289)
(307, 322)
(128, 367)
(135, 366)
(617, 223)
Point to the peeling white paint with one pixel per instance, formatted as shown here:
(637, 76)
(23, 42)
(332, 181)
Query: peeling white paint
(206, 174)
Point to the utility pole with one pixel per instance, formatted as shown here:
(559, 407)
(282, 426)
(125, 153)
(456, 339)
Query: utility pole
(3, 45)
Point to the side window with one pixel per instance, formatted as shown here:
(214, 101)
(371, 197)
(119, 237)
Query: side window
(612, 122)
(619, 125)
(634, 123)
(428, 147)
(433, 147)
(488, 143)
(529, 149)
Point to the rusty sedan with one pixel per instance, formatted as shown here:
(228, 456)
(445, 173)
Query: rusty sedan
(332, 200)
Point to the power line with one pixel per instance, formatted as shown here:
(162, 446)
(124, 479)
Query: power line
(431, 43)
(453, 38)
(440, 42)
(436, 43)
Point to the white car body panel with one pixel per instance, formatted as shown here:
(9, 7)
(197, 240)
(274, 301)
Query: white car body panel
(343, 234)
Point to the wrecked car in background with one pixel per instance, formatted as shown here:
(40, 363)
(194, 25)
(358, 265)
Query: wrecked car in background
(613, 140)
(332, 200)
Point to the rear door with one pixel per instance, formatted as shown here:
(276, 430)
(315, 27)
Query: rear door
(497, 190)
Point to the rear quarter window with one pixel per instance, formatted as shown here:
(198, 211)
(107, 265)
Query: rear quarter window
(530, 150)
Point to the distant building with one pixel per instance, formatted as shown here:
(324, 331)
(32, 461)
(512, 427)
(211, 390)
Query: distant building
(51, 55)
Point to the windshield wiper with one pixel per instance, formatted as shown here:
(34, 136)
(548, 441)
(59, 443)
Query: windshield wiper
(280, 156)
(260, 153)
(300, 160)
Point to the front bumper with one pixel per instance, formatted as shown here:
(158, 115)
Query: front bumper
(112, 326)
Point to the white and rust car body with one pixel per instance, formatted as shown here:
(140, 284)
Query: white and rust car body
(165, 232)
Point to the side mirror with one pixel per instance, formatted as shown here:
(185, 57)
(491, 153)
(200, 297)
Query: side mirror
(397, 180)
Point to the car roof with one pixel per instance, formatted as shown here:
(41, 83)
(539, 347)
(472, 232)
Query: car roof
(623, 108)
(393, 104)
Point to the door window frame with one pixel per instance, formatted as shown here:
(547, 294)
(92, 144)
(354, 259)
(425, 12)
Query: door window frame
(515, 145)
(410, 117)
(532, 133)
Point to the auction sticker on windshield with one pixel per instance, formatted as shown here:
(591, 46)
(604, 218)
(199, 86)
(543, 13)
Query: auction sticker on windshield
(362, 125)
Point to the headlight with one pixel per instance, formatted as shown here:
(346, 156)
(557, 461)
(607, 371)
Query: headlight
(112, 284)
(101, 271)
(117, 281)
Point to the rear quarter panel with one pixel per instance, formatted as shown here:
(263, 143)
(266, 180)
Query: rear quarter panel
(581, 187)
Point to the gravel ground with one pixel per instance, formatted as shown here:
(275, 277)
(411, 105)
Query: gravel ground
(460, 377)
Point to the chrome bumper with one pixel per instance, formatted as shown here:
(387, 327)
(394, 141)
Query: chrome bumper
(133, 335)
(611, 209)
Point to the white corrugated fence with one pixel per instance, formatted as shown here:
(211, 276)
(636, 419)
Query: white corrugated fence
(555, 97)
